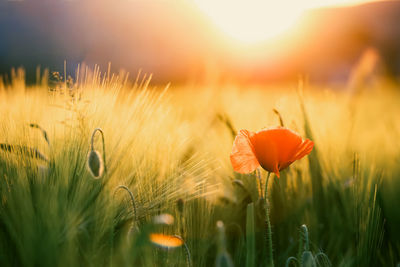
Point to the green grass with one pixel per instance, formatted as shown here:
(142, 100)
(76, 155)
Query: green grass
(170, 149)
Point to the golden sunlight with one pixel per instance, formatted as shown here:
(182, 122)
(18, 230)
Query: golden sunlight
(252, 21)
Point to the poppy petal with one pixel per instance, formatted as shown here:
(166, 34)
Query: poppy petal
(266, 151)
(166, 241)
(304, 149)
(242, 157)
(276, 171)
(287, 143)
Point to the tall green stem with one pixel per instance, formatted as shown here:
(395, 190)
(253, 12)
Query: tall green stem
(270, 260)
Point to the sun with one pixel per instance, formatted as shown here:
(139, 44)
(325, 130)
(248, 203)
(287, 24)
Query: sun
(252, 21)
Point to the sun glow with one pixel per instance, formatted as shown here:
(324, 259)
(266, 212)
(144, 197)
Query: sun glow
(252, 21)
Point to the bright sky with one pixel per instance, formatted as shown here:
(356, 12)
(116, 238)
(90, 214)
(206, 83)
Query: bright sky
(252, 21)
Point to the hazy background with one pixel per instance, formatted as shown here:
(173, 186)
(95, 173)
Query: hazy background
(178, 42)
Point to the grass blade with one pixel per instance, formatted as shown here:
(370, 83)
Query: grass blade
(250, 236)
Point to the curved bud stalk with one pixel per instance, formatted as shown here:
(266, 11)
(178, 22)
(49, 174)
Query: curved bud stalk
(290, 260)
(134, 220)
(305, 256)
(133, 202)
(187, 252)
(324, 259)
(307, 260)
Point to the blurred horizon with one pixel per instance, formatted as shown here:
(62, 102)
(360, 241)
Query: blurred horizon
(179, 43)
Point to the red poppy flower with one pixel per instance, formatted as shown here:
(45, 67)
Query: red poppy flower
(273, 149)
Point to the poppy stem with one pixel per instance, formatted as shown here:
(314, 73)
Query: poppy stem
(258, 174)
(270, 259)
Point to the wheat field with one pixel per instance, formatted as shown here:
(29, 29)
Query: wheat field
(166, 151)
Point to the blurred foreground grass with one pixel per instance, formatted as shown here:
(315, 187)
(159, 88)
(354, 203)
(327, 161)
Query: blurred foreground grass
(171, 148)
